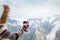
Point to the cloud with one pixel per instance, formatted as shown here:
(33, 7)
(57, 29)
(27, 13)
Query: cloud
(55, 3)
(34, 12)
(33, 8)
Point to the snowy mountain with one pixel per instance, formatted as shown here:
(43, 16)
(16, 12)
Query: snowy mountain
(38, 28)
(33, 30)
(13, 25)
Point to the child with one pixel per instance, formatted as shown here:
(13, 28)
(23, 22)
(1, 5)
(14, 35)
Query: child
(4, 32)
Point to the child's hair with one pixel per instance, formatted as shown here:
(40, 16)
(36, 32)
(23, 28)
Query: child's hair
(4, 16)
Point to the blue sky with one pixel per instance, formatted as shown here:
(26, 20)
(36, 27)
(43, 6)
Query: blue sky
(23, 9)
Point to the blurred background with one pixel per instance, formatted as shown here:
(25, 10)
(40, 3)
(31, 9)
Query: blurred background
(42, 15)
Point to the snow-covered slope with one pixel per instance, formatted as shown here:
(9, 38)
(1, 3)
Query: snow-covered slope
(38, 28)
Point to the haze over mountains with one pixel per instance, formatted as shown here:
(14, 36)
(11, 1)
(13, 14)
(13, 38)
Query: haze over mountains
(38, 29)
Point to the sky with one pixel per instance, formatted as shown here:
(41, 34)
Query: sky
(23, 9)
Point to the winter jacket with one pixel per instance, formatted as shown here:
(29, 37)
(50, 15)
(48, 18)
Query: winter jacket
(6, 34)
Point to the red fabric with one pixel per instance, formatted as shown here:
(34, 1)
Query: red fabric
(24, 28)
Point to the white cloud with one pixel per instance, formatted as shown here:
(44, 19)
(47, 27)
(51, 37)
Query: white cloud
(39, 8)
(34, 12)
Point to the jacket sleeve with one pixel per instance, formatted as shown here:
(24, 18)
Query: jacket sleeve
(14, 36)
